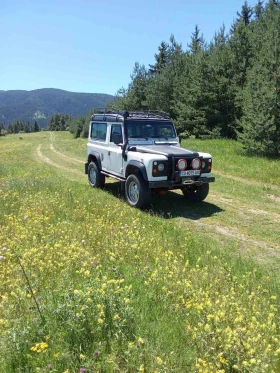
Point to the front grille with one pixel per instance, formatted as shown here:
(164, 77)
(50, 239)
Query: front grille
(170, 168)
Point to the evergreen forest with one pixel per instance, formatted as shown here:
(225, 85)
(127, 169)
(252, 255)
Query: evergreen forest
(59, 122)
(20, 126)
(228, 88)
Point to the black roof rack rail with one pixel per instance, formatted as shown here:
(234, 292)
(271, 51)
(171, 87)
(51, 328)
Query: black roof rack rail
(156, 114)
(150, 114)
(106, 112)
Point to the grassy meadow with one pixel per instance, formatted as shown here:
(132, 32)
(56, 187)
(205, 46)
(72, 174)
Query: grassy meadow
(88, 284)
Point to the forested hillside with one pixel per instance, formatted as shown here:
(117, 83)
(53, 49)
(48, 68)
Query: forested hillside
(228, 88)
(40, 104)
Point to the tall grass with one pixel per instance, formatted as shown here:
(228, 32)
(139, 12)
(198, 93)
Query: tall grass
(89, 284)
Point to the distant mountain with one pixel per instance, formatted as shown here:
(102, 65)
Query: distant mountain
(41, 104)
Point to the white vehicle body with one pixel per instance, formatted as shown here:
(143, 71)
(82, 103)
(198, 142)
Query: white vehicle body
(120, 145)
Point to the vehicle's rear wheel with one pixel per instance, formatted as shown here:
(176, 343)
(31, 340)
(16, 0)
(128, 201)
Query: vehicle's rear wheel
(95, 178)
(137, 191)
(196, 193)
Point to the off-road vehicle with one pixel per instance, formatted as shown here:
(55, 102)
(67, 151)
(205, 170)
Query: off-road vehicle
(142, 150)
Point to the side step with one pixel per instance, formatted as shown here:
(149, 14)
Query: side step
(111, 175)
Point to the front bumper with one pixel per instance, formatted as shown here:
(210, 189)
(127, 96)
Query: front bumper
(175, 185)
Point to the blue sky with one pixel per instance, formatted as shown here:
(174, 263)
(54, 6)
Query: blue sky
(92, 45)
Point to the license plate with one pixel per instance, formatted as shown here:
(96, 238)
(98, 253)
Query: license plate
(189, 173)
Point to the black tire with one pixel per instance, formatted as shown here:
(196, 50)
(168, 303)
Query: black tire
(196, 193)
(95, 177)
(137, 191)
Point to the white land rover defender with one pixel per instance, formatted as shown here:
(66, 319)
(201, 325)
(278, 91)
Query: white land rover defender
(142, 150)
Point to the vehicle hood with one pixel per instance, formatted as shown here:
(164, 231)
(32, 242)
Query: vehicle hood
(167, 150)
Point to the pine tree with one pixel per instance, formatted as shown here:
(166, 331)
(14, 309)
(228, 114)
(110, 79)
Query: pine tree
(260, 122)
(161, 59)
(246, 14)
(160, 87)
(220, 104)
(2, 129)
(188, 104)
(136, 94)
(261, 98)
(36, 127)
(258, 10)
(197, 43)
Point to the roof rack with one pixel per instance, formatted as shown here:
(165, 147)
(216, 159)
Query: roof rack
(104, 110)
(150, 114)
(157, 114)
(118, 114)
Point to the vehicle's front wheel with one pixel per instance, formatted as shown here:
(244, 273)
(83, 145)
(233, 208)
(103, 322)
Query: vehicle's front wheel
(137, 191)
(196, 193)
(95, 178)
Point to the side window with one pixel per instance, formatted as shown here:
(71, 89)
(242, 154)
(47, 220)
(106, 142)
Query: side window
(98, 131)
(116, 130)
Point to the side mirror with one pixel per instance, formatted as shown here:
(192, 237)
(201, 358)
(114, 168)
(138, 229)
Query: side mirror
(117, 138)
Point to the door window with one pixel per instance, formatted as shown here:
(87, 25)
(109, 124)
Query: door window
(116, 130)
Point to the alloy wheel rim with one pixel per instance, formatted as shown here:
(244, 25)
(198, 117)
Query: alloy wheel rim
(92, 176)
(133, 192)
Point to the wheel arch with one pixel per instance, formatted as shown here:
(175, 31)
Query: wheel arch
(135, 166)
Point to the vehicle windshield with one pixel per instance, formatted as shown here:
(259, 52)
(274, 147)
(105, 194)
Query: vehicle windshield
(150, 129)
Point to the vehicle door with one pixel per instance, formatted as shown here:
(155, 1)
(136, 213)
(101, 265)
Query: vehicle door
(115, 151)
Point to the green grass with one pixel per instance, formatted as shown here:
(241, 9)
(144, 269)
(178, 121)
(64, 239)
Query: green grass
(88, 283)
(229, 159)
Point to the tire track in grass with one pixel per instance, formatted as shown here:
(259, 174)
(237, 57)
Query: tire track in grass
(273, 197)
(247, 243)
(244, 209)
(248, 212)
(63, 155)
(45, 159)
(108, 180)
(246, 181)
(259, 248)
(234, 233)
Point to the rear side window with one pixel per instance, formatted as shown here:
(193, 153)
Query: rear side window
(98, 131)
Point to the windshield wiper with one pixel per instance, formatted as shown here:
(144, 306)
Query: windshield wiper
(138, 137)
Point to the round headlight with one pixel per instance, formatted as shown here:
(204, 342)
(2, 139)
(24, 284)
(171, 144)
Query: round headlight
(196, 163)
(182, 164)
(161, 167)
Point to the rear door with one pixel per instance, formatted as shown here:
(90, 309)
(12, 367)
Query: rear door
(99, 141)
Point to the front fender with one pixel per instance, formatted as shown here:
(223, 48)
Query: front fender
(139, 165)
